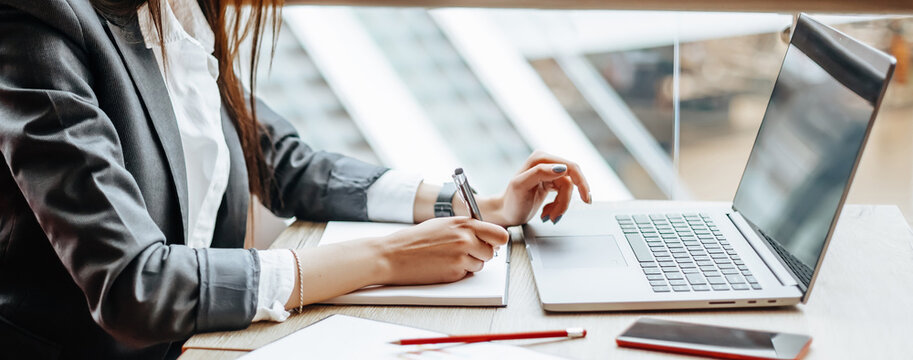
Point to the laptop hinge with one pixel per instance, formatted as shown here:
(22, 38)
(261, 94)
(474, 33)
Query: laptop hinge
(763, 249)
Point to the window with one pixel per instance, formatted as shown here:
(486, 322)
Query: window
(653, 105)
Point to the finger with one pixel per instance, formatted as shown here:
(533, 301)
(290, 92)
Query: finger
(546, 212)
(562, 200)
(549, 186)
(473, 264)
(458, 274)
(535, 158)
(541, 173)
(490, 233)
(481, 250)
(574, 171)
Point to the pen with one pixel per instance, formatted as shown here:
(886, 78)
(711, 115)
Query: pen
(462, 183)
(459, 178)
(568, 333)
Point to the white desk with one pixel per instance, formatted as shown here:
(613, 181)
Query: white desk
(861, 306)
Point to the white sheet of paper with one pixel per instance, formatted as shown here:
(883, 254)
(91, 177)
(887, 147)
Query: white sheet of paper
(347, 337)
(484, 288)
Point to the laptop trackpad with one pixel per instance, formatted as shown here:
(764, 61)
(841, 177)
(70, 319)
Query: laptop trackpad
(562, 252)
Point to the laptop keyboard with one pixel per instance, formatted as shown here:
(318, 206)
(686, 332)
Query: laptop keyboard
(685, 252)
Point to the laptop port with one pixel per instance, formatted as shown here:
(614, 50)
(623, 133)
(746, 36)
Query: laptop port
(722, 303)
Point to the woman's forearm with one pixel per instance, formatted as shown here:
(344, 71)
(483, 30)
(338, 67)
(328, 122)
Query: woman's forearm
(337, 269)
(435, 251)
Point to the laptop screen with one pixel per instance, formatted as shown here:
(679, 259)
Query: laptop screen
(810, 140)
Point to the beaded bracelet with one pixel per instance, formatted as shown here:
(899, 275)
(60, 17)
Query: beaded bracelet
(300, 282)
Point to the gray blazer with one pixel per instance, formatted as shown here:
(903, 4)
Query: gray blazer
(93, 208)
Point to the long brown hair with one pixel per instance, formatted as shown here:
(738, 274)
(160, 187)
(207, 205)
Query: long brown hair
(232, 22)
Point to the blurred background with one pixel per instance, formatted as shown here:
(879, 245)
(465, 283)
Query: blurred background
(653, 105)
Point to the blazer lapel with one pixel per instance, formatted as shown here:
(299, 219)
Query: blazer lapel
(147, 78)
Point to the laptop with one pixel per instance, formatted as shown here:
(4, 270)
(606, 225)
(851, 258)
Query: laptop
(763, 249)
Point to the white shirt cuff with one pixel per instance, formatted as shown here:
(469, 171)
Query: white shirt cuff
(392, 197)
(277, 280)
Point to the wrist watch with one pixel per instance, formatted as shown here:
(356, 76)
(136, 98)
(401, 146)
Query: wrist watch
(443, 206)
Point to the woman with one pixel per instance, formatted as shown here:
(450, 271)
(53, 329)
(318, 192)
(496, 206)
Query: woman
(132, 152)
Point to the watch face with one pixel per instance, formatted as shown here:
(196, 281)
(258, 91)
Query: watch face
(443, 210)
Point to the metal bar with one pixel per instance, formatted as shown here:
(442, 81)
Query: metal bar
(785, 6)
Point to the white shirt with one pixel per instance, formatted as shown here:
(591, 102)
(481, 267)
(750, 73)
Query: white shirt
(192, 72)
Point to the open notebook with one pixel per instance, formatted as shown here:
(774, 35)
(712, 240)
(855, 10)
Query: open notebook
(484, 288)
(347, 337)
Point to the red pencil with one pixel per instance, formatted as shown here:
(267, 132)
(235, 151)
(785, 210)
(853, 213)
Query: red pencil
(569, 333)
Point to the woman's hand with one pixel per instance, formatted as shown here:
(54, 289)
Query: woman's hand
(439, 250)
(526, 192)
(435, 251)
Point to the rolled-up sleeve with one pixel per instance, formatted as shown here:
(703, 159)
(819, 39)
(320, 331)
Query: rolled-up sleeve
(277, 280)
(392, 197)
(66, 158)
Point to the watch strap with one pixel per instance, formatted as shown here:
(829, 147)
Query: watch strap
(443, 206)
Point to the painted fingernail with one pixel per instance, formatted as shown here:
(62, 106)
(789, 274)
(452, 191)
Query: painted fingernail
(560, 168)
(545, 218)
(589, 198)
(557, 219)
